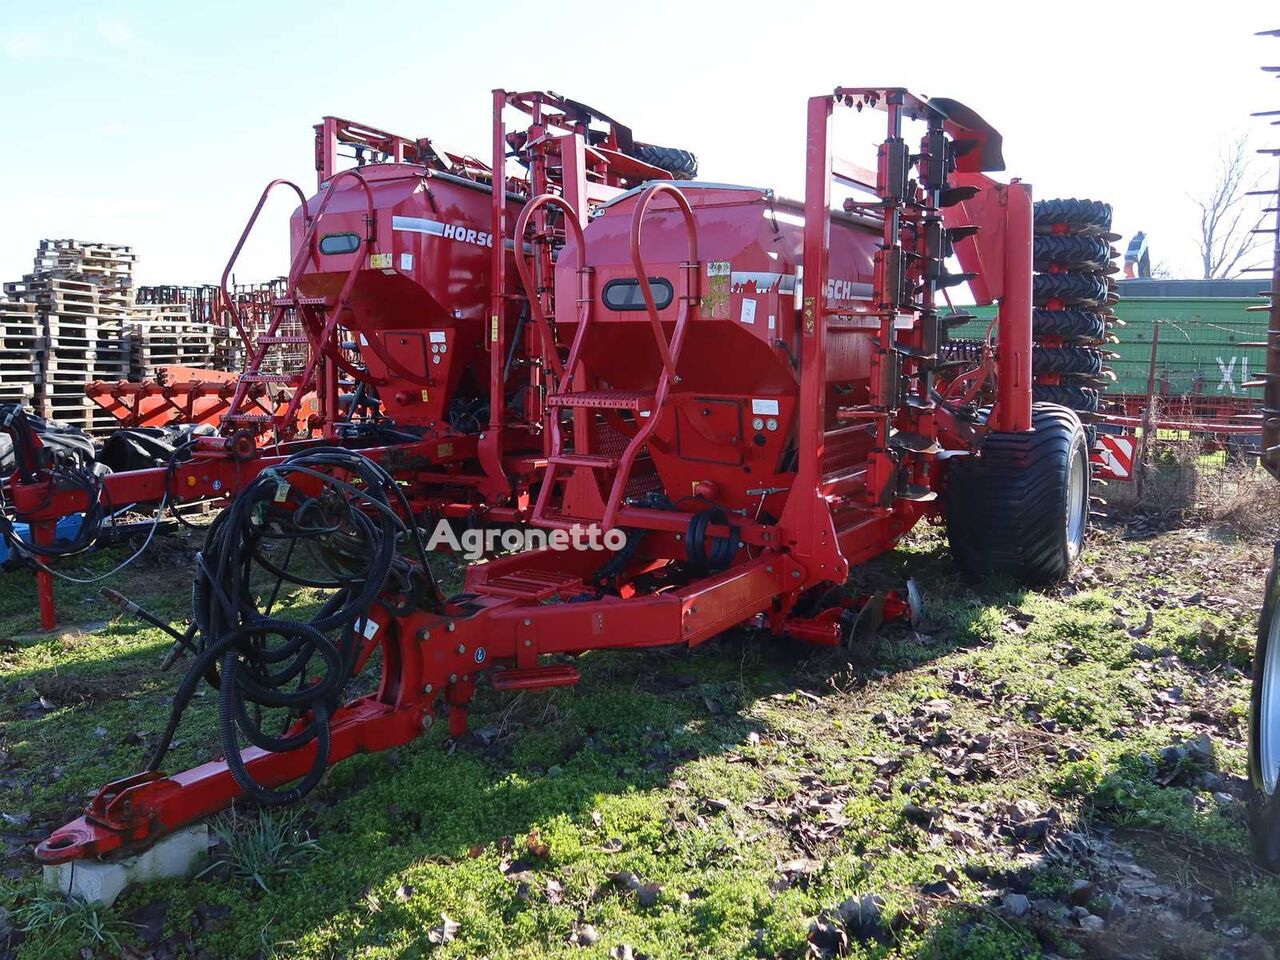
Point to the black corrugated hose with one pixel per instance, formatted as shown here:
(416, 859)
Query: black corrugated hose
(262, 662)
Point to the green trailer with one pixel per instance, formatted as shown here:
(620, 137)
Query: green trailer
(1202, 326)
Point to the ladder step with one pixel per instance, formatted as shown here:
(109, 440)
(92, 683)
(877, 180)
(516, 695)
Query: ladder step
(563, 521)
(584, 460)
(534, 678)
(290, 338)
(535, 585)
(636, 400)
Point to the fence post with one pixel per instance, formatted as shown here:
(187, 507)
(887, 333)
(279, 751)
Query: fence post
(1148, 414)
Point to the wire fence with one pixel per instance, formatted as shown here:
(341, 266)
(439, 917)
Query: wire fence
(1186, 477)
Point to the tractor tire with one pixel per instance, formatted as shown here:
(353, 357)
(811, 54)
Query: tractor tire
(1264, 727)
(1072, 252)
(1069, 325)
(1080, 399)
(1072, 216)
(681, 164)
(1081, 361)
(1021, 506)
(1069, 288)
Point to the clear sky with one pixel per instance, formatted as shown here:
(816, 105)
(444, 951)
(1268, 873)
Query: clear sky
(156, 124)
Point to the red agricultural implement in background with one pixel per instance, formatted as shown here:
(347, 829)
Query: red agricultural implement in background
(401, 331)
(752, 389)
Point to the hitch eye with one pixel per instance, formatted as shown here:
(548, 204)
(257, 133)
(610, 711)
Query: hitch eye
(626, 294)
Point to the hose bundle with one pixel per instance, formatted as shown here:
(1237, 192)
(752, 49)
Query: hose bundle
(345, 511)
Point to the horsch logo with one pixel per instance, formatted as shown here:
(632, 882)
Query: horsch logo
(454, 231)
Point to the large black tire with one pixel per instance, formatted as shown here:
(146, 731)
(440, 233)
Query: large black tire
(1020, 507)
(1069, 325)
(1069, 288)
(1072, 251)
(1264, 727)
(1080, 361)
(1080, 399)
(1075, 216)
(681, 164)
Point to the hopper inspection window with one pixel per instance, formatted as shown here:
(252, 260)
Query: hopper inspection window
(627, 295)
(333, 243)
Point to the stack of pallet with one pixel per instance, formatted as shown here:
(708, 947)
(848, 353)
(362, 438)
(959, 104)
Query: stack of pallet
(77, 318)
(20, 338)
(80, 294)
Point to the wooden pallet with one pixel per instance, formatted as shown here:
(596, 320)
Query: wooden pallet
(67, 327)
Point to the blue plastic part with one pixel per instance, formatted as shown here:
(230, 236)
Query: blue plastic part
(67, 529)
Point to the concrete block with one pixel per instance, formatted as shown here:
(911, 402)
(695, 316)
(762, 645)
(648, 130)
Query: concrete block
(100, 881)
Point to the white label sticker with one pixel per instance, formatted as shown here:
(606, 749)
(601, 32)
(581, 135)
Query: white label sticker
(437, 336)
(370, 629)
(718, 268)
(389, 272)
(406, 261)
(282, 491)
(764, 408)
(773, 322)
(748, 310)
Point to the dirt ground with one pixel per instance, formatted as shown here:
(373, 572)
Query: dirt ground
(1025, 774)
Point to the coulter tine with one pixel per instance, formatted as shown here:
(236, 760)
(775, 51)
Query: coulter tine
(951, 279)
(914, 443)
(953, 195)
(918, 354)
(916, 493)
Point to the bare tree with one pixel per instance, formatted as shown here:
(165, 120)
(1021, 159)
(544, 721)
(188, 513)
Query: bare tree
(1228, 215)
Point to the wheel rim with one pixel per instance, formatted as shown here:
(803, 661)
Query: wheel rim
(1268, 703)
(1077, 500)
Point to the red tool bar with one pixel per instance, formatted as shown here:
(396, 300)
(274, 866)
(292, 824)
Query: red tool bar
(1012, 411)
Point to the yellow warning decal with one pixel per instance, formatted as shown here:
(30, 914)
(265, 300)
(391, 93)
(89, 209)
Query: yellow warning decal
(379, 261)
(425, 396)
(445, 450)
(493, 328)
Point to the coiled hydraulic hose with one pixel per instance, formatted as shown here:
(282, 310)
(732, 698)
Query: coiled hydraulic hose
(347, 510)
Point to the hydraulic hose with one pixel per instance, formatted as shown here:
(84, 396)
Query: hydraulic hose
(348, 511)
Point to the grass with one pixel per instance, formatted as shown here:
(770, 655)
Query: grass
(711, 803)
(262, 848)
(59, 924)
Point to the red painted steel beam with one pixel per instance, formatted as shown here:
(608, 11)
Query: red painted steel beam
(1012, 411)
